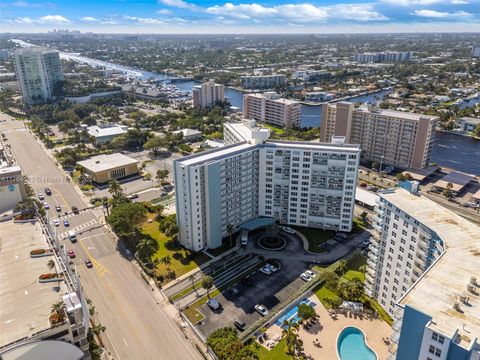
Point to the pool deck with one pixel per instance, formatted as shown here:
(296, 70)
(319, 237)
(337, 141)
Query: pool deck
(326, 330)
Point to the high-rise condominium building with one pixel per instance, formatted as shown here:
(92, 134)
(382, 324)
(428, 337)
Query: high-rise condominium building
(208, 94)
(262, 82)
(389, 56)
(245, 130)
(476, 51)
(424, 270)
(298, 183)
(388, 137)
(38, 71)
(270, 108)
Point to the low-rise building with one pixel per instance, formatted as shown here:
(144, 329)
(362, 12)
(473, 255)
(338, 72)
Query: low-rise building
(106, 133)
(103, 168)
(270, 108)
(468, 124)
(318, 96)
(262, 82)
(189, 135)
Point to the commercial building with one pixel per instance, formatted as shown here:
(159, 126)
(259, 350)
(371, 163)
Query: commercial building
(245, 130)
(105, 133)
(208, 94)
(423, 269)
(262, 82)
(103, 168)
(400, 139)
(189, 135)
(389, 56)
(270, 108)
(298, 183)
(26, 317)
(38, 71)
(12, 189)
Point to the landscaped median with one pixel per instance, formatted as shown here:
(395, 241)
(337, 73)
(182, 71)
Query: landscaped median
(191, 312)
(316, 238)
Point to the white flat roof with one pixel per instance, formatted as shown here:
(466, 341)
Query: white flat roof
(447, 279)
(106, 162)
(365, 196)
(397, 114)
(214, 154)
(97, 131)
(25, 304)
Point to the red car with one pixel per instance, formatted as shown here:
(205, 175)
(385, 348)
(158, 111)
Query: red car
(71, 254)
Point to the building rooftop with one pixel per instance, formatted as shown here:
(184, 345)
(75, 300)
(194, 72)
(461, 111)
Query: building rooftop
(244, 129)
(106, 162)
(43, 350)
(458, 180)
(111, 130)
(446, 280)
(470, 120)
(396, 114)
(421, 174)
(188, 132)
(35, 49)
(365, 196)
(270, 96)
(214, 154)
(25, 303)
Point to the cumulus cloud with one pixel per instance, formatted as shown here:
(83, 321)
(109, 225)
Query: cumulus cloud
(423, 2)
(23, 20)
(54, 19)
(144, 21)
(89, 19)
(440, 14)
(298, 12)
(179, 4)
(164, 12)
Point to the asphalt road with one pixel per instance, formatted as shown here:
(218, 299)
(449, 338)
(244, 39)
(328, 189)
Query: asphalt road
(137, 325)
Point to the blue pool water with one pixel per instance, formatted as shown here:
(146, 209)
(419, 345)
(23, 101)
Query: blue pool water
(292, 313)
(351, 345)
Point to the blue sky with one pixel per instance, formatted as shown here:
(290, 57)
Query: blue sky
(244, 16)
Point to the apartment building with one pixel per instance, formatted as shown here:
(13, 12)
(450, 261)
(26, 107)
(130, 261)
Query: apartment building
(245, 130)
(270, 108)
(208, 94)
(389, 56)
(423, 269)
(400, 139)
(38, 71)
(262, 82)
(298, 183)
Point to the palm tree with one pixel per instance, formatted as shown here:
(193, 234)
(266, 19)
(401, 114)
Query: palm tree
(343, 289)
(207, 284)
(58, 310)
(448, 193)
(294, 345)
(230, 232)
(115, 188)
(145, 248)
(342, 267)
(192, 279)
(155, 263)
(97, 329)
(167, 261)
(51, 265)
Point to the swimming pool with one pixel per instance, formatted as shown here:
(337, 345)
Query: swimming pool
(292, 313)
(351, 345)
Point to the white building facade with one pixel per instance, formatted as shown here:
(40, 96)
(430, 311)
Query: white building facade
(262, 82)
(245, 130)
(38, 71)
(298, 183)
(208, 94)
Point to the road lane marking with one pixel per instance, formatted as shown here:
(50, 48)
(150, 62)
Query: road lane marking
(101, 270)
(125, 341)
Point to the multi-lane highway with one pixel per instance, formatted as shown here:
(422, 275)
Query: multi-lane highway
(137, 325)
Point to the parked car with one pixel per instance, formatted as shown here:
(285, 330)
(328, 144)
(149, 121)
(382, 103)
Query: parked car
(213, 304)
(58, 208)
(271, 268)
(88, 263)
(305, 277)
(75, 210)
(246, 280)
(56, 222)
(132, 196)
(234, 291)
(262, 310)
(40, 196)
(71, 254)
(240, 325)
(46, 206)
(48, 191)
(288, 230)
(65, 222)
(265, 270)
(309, 273)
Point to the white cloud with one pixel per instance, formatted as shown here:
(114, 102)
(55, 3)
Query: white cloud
(423, 2)
(440, 14)
(54, 19)
(459, 2)
(179, 4)
(144, 21)
(23, 20)
(164, 12)
(89, 19)
(20, 4)
(297, 12)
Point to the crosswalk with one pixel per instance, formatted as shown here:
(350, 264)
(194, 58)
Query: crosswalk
(79, 228)
(61, 217)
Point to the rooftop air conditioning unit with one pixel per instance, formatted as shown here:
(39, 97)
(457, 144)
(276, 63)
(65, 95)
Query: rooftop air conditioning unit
(473, 280)
(471, 288)
(456, 306)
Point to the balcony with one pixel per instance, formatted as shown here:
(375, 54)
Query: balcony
(371, 272)
(373, 247)
(379, 210)
(372, 263)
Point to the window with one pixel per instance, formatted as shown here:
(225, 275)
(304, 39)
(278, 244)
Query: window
(435, 351)
(438, 338)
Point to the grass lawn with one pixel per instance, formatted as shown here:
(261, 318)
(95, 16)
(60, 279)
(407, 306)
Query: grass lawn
(274, 129)
(277, 353)
(180, 263)
(323, 293)
(316, 237)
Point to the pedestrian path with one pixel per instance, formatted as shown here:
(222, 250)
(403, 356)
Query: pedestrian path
(78, 228)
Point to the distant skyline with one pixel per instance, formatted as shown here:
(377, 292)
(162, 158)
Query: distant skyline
(217, 17)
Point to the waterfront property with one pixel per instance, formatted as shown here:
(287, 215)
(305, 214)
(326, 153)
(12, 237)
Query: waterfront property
(208, 94)
(388, 137)
(468, 124)
(103, 168)
(299, 183)
(423, 269)
(260, 82)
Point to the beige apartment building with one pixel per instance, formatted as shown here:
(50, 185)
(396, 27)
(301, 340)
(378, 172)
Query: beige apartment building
(208, 94)
(400, 139)
(270, 108)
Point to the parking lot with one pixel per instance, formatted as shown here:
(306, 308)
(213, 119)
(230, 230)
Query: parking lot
(267, 290)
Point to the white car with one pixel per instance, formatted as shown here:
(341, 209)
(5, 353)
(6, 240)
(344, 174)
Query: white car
(265, 270)
(262, 310)
(288, 230)
(40, 196)
(56, 222)
(213, 304)
(305, 277)
(271, 268)
(46, 206)
(309, 273)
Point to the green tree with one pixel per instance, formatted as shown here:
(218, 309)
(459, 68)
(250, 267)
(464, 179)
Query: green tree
(226, 345)
(341, 267)
(207, 284)
(375, 165)
(477, 130)
(448, 192)
(116, 190)
(59, 310)
(145, 249)
(161, 175)
(51, 265)
(230, 229)
(166, 260)
(192, 279)
(306, 312)
(154, 144)
(126, 218)
(294, 345)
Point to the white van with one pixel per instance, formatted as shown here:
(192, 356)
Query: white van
(72, 236)
(213, 304)
(244, 239)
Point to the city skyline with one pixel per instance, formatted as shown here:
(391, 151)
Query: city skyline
(179, 16)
